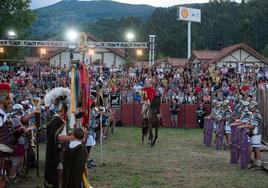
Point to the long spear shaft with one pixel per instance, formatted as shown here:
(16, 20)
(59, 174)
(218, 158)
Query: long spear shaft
(38, 121)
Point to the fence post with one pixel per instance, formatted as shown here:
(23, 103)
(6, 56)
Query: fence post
(121, 106)
(133, 109)
(184, 115)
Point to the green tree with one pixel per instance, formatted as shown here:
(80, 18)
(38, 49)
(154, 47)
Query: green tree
(16, 15)
(265, 51)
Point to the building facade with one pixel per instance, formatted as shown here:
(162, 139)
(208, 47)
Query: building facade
(61, 56)
(232, 56)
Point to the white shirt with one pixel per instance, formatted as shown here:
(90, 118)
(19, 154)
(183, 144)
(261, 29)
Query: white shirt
(2, 120)
(64, 131)
(74, 143)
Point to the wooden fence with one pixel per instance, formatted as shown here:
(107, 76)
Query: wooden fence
(262, 99)
(130, 114)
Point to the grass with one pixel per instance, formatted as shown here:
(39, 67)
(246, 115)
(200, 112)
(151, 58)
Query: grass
(179, 159)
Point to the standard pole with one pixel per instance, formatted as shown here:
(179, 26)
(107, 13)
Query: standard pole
(150, 52)
(189, 40)
(101, 139)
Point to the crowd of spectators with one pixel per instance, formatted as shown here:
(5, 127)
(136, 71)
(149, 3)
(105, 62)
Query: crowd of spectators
(180, 83)
(189, 87)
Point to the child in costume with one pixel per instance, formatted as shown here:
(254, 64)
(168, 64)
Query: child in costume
(75, 162)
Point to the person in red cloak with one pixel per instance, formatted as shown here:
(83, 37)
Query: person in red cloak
(150, 93)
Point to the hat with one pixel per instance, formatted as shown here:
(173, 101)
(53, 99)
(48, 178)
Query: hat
(5, 87)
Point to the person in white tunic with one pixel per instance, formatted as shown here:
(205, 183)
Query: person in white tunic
(254, 126)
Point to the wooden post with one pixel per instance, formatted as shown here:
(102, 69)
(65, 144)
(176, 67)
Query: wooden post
(101, 156)
(38, 122)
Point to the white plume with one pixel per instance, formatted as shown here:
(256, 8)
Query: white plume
(52, 95)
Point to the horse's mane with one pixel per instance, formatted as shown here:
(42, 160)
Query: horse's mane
(155, 103)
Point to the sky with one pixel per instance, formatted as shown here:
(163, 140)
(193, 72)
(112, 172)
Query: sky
(157, 3)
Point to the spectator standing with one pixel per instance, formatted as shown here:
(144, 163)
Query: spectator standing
(174, 110)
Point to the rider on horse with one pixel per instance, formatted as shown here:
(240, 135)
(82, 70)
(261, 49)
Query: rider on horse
(148, 93)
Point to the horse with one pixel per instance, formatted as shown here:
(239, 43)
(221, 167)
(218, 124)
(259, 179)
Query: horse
(151, 120)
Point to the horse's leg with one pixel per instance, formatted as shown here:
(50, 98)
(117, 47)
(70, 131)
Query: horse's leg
(156, 134)
(150, 133)
(143, 131)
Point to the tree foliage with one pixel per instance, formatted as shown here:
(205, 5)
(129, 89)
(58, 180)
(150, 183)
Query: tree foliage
(224, 23)
(15, 15)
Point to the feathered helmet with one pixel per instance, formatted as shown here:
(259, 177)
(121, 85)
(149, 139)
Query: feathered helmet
(57, 97)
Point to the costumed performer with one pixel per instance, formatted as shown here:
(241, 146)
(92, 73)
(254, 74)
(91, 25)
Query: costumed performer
(75, 162)
(7, 139)
(56, 137)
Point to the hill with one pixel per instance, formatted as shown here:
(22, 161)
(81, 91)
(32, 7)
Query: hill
(65, 13)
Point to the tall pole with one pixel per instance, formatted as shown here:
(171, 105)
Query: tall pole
(152, 50)
(38, 123)
(189, 40)
(101, 135)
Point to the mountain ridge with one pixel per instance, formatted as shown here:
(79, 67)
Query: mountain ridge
(56, 17)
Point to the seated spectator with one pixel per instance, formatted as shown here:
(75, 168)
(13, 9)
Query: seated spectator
(207, 99)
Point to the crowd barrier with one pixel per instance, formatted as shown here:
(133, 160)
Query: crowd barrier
(130, 115)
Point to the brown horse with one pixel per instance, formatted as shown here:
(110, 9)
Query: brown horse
(151, 120)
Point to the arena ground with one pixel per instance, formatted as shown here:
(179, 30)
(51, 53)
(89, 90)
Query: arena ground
(178, 160)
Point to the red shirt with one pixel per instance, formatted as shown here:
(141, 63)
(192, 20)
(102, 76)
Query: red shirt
(232, 89)
(151, 93)
(198, 89)
(245, 88)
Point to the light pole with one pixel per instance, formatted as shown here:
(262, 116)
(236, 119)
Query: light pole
(130, 37)
(71, 36)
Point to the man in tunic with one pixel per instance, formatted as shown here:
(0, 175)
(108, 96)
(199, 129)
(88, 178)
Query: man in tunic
(227, 118)
(254, 126)
(214, 113)
(56, 134)
(7, 140)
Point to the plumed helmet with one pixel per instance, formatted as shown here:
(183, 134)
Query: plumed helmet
(17, 107)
